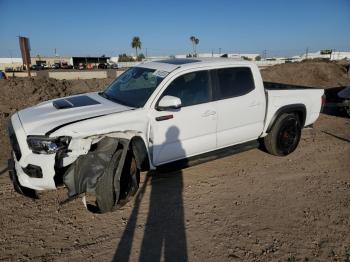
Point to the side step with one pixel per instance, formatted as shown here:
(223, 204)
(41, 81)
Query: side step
(206, 157)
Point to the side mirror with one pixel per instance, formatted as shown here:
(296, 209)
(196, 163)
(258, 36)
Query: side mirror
(169, 102)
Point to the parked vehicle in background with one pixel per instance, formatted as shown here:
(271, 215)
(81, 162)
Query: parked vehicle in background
(338, 99)
(9, 69)
(102, 66)
(112, 66)
(81, 66)
(37, 67)
(2, 75)
(155, 114)
(65, 65)
(56, 66)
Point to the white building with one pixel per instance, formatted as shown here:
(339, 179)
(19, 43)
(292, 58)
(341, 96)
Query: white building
(335, 55)
(10, 62)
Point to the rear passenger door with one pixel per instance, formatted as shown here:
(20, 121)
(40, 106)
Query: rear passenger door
(240, 106)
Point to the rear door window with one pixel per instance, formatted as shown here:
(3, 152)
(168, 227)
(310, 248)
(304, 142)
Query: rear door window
(234, 82)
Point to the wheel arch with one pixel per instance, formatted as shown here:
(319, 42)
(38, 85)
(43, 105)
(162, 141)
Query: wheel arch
(299, 109)
(139, 149)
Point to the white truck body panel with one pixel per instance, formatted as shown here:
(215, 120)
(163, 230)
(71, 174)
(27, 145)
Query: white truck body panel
(191, 131)
(311, 98)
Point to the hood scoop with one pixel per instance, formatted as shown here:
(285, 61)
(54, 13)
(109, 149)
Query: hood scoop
(76, 101)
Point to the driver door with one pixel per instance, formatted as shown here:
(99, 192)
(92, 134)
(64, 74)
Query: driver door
(190, 130)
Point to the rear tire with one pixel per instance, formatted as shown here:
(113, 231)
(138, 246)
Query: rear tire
(284, 136)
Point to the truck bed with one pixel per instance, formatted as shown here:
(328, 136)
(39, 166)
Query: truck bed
(282, 95)
(281, 86)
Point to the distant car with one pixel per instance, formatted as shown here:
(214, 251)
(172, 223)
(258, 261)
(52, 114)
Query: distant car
(102, 66)
(55, 66)
(81, 66)
(9, 69)
(338, 99)
(2, 75)
(66, 66)
(37, 67)
(112, 66)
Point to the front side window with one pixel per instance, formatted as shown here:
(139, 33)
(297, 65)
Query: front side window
(233, 82)
(192, 88)
(133, 87)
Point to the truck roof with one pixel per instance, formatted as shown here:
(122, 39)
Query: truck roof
(189, 63)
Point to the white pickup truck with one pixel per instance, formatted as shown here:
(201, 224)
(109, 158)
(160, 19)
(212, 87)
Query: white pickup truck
(154, 115)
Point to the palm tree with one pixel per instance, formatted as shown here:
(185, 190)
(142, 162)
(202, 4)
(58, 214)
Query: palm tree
(193, 39)
(136, 43)
(195, 42)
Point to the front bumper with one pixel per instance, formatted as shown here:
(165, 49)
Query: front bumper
(27, 159)
(17, 186)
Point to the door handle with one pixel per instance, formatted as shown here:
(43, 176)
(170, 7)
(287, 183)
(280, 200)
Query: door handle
(162, 118)
(208, 113)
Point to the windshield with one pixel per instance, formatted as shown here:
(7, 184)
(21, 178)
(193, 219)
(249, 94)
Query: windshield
(133, 87)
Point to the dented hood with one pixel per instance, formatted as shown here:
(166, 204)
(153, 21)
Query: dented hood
(44, 117)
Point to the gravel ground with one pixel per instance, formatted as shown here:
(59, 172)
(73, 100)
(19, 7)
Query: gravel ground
(246, 207)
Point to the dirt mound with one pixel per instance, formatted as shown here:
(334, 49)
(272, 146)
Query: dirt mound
(19, 93)
(309, 73)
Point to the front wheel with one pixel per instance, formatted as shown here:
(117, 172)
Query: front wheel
(115, 189)
(284, 136)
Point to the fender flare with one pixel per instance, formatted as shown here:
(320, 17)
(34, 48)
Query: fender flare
(300, 109)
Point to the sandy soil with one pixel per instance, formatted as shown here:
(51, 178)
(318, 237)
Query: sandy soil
(312, 73)
(246, 207)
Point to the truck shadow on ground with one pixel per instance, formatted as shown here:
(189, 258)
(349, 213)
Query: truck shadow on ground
(164, 231)
(336, 136)
(4, 171)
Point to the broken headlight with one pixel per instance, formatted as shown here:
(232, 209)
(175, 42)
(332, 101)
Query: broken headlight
(47, 145)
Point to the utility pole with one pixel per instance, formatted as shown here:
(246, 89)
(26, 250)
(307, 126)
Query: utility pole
(264, 54)
(306, 52)
(13, 71)
(146, 52)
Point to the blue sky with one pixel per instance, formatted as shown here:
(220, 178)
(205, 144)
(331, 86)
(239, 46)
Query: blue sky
(107, 27)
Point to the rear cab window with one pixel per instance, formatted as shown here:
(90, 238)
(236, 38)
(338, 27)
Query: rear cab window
(233, 82)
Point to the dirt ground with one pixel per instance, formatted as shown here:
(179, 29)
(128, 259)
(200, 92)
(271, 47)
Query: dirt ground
(246, 207)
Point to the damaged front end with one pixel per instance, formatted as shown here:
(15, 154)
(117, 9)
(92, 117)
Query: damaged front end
(108, 171)
(107, 165)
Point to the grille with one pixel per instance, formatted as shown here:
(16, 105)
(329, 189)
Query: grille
(14, 142)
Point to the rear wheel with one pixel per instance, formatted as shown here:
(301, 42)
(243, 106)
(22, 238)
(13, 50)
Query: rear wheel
(284, 136)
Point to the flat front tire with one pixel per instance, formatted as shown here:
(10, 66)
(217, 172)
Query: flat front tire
(112, 189)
